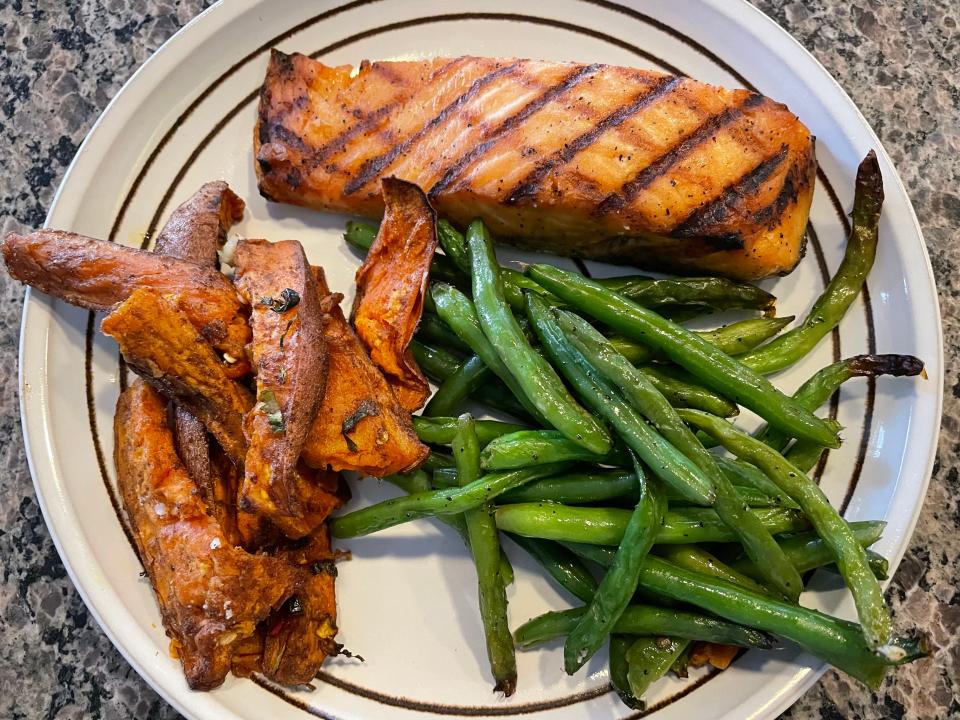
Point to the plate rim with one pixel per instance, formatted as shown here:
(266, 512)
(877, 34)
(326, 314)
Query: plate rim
(36, 307)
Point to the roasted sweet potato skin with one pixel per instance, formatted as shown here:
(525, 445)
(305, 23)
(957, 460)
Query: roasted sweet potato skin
(391, 284)
(194, 232)
(160, 345)
(98, 275)
(360, 425)
(198, 227)
(290, 358)
(211, 593)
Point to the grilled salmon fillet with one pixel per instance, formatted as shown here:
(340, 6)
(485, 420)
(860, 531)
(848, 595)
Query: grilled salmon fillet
(595, 161)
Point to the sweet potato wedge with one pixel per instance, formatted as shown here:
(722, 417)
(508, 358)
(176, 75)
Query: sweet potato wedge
(212, 594)
(360, 425)
(391, 285)
(198, 227)
(291, 645)
(194, 232)
(301, 635)
(97, 275)
(161, 346)
(290, 357)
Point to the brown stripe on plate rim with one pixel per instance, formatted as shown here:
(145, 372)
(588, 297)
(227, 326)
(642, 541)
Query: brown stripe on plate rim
(164, 141)
(676, 34)
(688, 688)
(618, 200)
(465, 710)
(547, 95)
(531, 183)
(95, 431)
(374, 166)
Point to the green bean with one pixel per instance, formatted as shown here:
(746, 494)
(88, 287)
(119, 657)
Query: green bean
(439, 365)
(808, 551)
(847, 552)
(620, 581)
(485, 546)
(361, 235)
(454, 245)
(667, 463)
(469, 377)
(592, 486)
(458, 312)
(643, 620)
(696, 559)
(537, 380)
(843, 288)
(734, 339)
(804, 455)
(680, 665)
(576, 488)
(602, 555)
(452, 501)
(418, 481)
(445, 478)
(745, 474)
(619, 669)
(437, 460)
(621, 281)
(712, 292)
(562, 565)
(605, 526)
(536, 447)
(649, 659)
(514, 283)
(879, 565)
(716, 369)
(440, 430)
(813, 393)
(824, 383)
(641, 394)
(839, 642)
(434, 331)
(803, 558)
(683, 392)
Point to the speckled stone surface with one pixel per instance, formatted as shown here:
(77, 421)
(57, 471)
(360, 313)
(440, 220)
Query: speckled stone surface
(62, 61)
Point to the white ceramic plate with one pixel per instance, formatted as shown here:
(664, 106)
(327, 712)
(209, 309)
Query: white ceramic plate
(407, 601)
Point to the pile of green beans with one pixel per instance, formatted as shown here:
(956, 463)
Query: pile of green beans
(614, 478)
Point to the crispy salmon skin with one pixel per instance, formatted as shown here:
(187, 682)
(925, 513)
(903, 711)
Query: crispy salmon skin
(596, 161)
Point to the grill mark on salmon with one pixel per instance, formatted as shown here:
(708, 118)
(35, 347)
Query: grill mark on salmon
(797, 180)
(372, 167)
(701, 219)
(531, 183)
(372, 119)
(514, 121)
(617, 201)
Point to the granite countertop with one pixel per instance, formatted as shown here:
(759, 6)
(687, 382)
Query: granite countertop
(61, 62)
